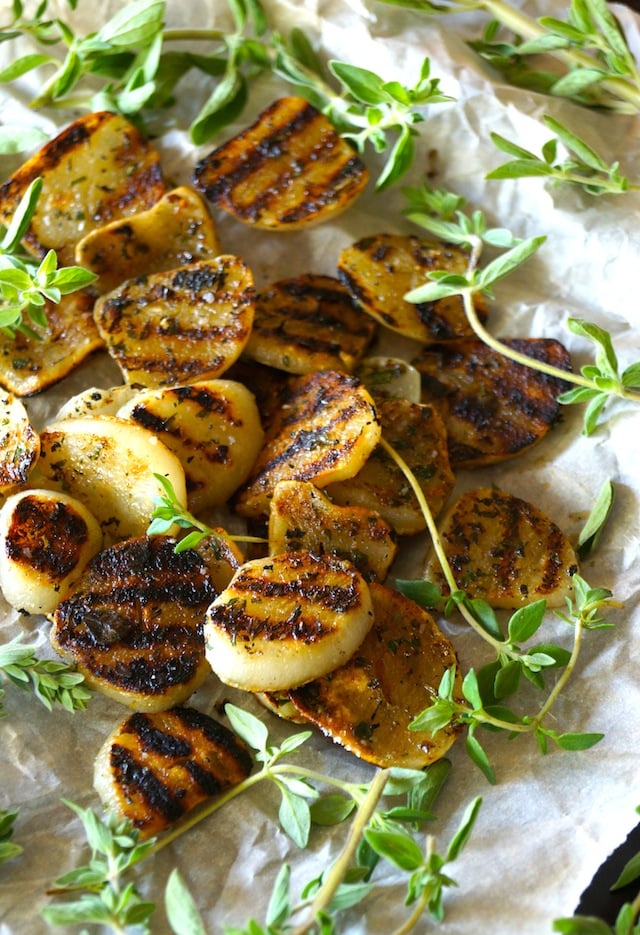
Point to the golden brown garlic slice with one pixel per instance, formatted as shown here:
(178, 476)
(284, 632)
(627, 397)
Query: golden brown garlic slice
(504, 551)
(287, 170)
(367, 704)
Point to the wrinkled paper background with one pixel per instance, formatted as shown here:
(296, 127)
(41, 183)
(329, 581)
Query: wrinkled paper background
(549, 821)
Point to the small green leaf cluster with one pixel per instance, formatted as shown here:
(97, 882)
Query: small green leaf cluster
(442, 214)
(26, 285)
(8, 848)
(295, 790)
(584, 167)
(129, 53)
(105, 899)
(600, 68)
(481, 703)
(367, 108)
(51, 682)
(603, 375)
(169, 512)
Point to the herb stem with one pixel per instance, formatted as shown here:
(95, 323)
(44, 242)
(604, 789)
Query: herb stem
(437, 542)
(338, 870)
(269, 771)
(567, 376)
(409, 924)
(198, 815)
(565, 675)
(627, 92)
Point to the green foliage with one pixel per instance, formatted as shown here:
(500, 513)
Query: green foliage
(583, 167)
(599, 68)
(98, 892)
(140, 75)
(442, 214)
(51, 682)
(169, 513)
(25, 285)
(101, 892)
(480, 702)
(8, 849)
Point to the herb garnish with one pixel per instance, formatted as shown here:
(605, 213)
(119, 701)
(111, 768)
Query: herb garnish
(441, 213)
(129, 53)
(599, 68)
(51, 682)
(8, 848)
(25, 284)
(102, 893)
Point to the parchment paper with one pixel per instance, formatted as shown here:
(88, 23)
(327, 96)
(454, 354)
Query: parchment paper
(549, 821)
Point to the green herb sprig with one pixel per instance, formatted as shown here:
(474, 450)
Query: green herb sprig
(8, 848)
(140, 74)
(583, 167)
(103, 891)
(51, 682)
(25, 285)
(106, 898)
(169, 512)
(441, 213)
(483, 692)
(599, 69)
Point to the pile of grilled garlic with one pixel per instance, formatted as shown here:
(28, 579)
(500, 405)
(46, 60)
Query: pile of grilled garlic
(264, 403)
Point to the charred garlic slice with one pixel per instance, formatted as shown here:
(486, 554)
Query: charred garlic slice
(156, 767)
(285, 620)
(505, 551)
(46, 540)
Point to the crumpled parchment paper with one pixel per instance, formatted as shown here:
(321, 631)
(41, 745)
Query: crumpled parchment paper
(548, 823)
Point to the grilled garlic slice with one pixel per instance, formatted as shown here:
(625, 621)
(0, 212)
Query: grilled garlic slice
(46, 540)
(109, 464)
(286, 619)
(19, 443)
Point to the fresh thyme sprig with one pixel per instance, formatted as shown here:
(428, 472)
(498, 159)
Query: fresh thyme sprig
(106, 896)
(583, 167)
(51, 682)
(599, 68)
(103, 893)
(441, 213)
(26, 285)
(483, 692)
(8, 848)
(129, 53)
(169, 512)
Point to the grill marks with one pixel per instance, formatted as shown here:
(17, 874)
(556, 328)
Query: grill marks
(308, 323)
(155, 768)
(380, 270)
(212, 426)
(97, 169)
(133, 623)
(417, 433)
(177, 326)
(283, 620)
(493, 408)
(367, 704)
(288, 169)
(504, 550)
(47, 534)
(325, 430)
